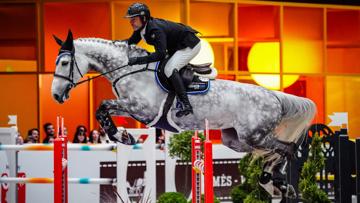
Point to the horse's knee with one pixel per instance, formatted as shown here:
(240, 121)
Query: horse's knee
(104, 106)
(102, 110)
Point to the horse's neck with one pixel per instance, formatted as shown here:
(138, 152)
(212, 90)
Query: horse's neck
(103, 55)
(106, 56)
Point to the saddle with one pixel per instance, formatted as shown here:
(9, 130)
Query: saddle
(195, 81)
(191, 75)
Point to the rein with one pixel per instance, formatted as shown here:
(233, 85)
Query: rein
(70, 78)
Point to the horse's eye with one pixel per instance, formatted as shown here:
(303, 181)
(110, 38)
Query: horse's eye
(64, 63)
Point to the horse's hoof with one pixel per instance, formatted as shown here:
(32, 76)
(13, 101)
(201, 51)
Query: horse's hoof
(290, 192)
(273, 191)
(265, 177)
(126, 139)
(279, 191)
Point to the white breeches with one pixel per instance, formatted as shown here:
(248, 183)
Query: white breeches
(180, 59)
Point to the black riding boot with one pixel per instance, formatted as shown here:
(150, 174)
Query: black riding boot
(180, 91)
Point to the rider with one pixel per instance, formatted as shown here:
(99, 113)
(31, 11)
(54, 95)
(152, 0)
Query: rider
(177, 40)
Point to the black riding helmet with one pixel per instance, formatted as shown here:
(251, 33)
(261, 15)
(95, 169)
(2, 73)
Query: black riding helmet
(138, 9)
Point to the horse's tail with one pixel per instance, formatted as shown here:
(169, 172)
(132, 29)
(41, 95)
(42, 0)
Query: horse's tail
(298, 112)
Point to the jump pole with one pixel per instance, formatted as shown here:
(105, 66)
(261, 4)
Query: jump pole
(60, 164)
(202, 165)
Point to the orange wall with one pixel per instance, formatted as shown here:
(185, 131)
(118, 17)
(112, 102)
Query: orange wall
(84, 19)
(258, 22)
(18, 31)
(19, 97)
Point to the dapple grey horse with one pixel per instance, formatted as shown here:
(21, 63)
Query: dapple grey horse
(252, 119)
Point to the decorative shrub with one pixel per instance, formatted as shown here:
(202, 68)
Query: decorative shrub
(310, 192)
(250, 191)
(172, 197)
(180, 145)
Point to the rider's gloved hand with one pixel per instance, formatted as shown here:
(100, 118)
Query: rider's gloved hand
(133, 61)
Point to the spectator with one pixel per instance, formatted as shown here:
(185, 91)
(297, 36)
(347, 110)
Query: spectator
(49, 131)
(51, 140)
(94, 137)
(65, 131)
(160, 143)
(19, 139)
(80, 135)
(103, 136)
(33, 136)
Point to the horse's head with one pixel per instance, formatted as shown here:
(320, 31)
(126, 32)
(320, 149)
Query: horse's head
(67, 71)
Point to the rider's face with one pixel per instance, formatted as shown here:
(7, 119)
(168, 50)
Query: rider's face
(136, 23)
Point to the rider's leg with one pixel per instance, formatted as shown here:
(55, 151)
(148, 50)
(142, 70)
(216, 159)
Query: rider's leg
(180, 91)
(178, 60)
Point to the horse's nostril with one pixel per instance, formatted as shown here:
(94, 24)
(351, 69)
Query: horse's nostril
(56, 97)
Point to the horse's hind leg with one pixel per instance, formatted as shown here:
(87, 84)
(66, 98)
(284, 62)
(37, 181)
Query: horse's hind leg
(275, 153)
(272, 180)
(275, 169)
(103, 115)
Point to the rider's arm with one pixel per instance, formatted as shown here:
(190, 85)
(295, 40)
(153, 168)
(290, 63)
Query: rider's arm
(160, 49)
(135, 38)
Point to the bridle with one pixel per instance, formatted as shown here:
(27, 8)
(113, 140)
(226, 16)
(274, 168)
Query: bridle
(70, 77)
(73, 63)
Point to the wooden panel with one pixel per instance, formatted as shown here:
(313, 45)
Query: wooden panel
(343, 26)
(84, 19)
(343, 46)
(258, 22)
(342, 95)
(303, 45)
(19, 97)
(18, 37)
(212, 19)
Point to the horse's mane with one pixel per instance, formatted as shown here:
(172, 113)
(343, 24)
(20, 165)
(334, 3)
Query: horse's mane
(122, 44)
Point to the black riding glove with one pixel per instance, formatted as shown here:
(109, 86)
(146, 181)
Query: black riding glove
(133, 61)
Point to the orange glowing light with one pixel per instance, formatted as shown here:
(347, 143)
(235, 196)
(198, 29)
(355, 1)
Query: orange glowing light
(265, 57)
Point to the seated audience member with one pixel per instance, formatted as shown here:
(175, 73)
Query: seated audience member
(65, 131)
(160, 142)
(49, 132)
(80, 135)
(33, 136)
(94, 137)
(104, 139)
(19, 139)
(51, 140)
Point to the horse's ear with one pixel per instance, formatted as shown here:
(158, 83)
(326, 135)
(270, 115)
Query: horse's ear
(58, 41)
(69, 36)
(69, 43)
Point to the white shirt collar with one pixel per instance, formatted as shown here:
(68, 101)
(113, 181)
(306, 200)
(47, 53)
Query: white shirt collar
(142, 32)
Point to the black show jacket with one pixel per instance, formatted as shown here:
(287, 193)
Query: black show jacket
(167, 37)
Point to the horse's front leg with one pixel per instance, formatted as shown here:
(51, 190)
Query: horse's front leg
(103, 115)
